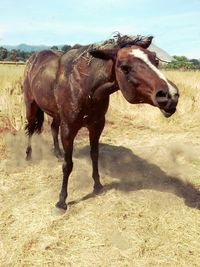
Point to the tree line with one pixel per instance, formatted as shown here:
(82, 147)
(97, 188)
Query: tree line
(182, 63)
(178, 62)
(17, 55)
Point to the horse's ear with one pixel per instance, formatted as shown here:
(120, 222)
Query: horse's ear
(105, 54)
(145, 42)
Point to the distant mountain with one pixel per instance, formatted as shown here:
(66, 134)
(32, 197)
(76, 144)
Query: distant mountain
(27, 48)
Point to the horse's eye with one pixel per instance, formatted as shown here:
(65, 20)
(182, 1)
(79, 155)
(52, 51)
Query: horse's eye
(125, 68)
(157, 62)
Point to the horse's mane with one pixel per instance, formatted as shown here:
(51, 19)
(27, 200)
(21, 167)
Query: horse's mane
(117, 41)
(128, 40)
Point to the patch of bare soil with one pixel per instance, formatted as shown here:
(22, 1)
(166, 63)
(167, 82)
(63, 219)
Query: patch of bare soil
(148, 214)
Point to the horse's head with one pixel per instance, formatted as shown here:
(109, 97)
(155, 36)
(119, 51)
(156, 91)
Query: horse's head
(139, 79)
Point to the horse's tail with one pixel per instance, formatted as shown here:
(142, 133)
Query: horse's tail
(35, 126)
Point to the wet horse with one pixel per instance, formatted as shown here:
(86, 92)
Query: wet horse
(74, 89)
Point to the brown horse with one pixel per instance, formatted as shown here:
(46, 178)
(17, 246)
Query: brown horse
(74, 89)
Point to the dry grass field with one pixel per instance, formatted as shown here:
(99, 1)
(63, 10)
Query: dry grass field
(149, 212)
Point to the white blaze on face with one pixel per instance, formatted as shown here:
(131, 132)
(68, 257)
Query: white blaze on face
(140, 54)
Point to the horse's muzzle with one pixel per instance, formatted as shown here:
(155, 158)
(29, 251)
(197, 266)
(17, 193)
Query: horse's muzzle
(167, 102)
(168, 113)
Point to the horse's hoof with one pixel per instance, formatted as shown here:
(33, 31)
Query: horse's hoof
(28, 153)
(58, 154)
(28, 158)
(98, 189)
(61, 205)
(58, 212)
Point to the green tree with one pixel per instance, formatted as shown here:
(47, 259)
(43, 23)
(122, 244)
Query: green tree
(18, 55)
(180, 62)
(195, 62)
(3, 53)
(54, 47)
(66, 48)
(12, 55)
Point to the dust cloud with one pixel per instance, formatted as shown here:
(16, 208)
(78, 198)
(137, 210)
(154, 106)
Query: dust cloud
(182, 157)
(16, 149)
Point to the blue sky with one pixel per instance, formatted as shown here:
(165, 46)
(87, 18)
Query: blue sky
(175, 24)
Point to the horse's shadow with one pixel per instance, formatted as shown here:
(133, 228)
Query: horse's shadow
(131, 173)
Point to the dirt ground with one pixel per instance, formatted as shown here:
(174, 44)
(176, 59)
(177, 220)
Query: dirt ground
(148, 214)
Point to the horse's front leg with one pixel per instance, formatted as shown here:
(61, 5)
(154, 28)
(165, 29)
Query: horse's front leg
(95, 131)
(68, 133)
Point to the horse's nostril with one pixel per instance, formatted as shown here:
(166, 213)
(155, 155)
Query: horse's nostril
(161, 94)
(176, 95)
(162, 98)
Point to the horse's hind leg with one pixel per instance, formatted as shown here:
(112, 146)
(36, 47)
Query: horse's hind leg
(55, 130)
(95, 131)
(35, 118)
(29, 149)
